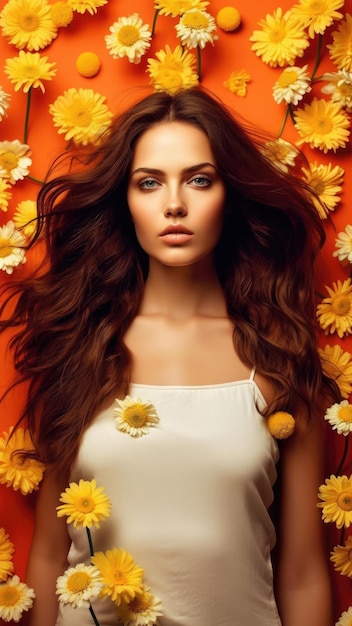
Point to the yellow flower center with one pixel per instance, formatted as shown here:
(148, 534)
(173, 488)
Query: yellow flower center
(317, 7)
(277, 34)
(344, 501)
(6, 248)
(8, 161)
(138, 605)
(28, 22)
(77, 582)
(345, 413)
(346, 90)
(128, 35)
(196, 20)
(120, 577)
(9, 596)
(322, 125)
(318, 185)
(135, 415)
(341, 305)
(287, 78)
(85, 505)
(81, 115)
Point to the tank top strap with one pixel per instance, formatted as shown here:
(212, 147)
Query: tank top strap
(252, 374)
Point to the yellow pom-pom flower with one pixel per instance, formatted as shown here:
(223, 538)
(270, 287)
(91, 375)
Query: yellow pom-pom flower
(61, 14)
(228, 19)
(281, 425)
(88, 64)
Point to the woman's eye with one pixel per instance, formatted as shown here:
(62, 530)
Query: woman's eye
(148, 183)
(201, 181)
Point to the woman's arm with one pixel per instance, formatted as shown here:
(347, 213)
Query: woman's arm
(302, 578)
(48, 554)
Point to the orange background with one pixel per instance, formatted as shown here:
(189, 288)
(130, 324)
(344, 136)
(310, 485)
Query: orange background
(120, 80)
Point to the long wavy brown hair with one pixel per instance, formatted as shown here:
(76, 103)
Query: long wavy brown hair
(72, 316)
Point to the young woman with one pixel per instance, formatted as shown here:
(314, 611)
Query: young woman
(179, 281)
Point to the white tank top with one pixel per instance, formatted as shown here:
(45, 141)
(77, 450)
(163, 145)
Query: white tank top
(190, 502)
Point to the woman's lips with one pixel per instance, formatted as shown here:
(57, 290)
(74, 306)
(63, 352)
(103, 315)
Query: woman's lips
(177, 234)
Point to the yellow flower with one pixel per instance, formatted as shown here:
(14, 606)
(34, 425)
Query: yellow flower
(327, 182)
(281, 39)
(121, 578)
(172, 70)
(143, 610)
(20, 473)
(25, 218)
(237, 82)
(292, 84)
(343, 245)
(335, 312)
(61, 14)
(85, 504)
(339, 416)
(5, 195)
(281, 152)
(338, 365)
(12, 253)
(340, 88)
(281, 425)
(6, 551)
(79, 585)
(135, 417)
(129, 37)
(341, 48)
(228, 19)
(4, 103)
(345, 618)
(81, 6)
(88, 64)
(28, 70)
(82, 115)
(336, 496)
(317, 14)
(14, 160)
(28, 24)
(15, 597)
(323, 125)
(176, 8)
(196, 28)
(341, 556)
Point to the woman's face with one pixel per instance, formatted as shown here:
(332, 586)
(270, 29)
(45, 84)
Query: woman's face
(175, 194)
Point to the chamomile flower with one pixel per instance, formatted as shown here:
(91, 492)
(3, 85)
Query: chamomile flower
(323, 125)
(135, 417)
(15, 598)
(12, 253)
(121, 578)
(6, 551)
(292, 84)
(22, 473)
(143, 610)
(29, 70)
(15, 160)
(326, 181)
(128, 37)
(317, 15)
(79, 586)
(172, 70)
(340, 50)
(339, 416)
(196, 28)
(28, 24)
(343, 245)
(281, 40)
(85, 504)
(335, 312)
(340, 88)
(282, 153)
(336, 496)
(337, 364)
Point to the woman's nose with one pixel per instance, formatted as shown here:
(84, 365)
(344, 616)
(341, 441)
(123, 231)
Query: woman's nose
(175, 205)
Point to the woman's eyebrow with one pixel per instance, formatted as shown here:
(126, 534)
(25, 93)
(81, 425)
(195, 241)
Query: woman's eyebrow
(186, 170)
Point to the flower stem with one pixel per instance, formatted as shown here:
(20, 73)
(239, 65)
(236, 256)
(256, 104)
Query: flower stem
(199, 64)
(283, 123)
(90, 541)
(317, 57)
(343, 456)
(35, 180)
(156, 13)
(26, 120)
(94, 617)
